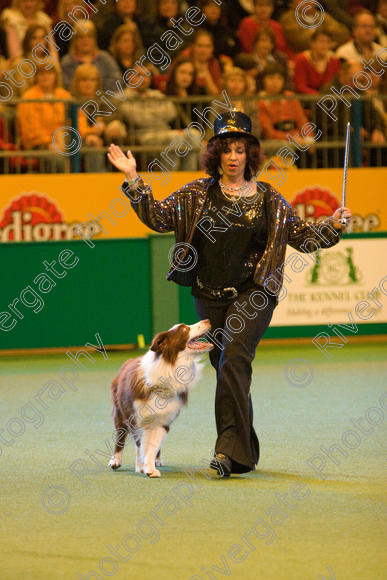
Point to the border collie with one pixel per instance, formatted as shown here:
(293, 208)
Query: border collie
(149, 392)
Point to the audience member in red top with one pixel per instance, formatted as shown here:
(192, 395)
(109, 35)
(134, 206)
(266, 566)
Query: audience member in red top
(317, 66)
(249, 27)
(207, 67)
(279, 117)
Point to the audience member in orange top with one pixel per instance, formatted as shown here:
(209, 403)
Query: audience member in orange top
(125, 47)
(207, 67)
(38, 121)
(16, 20)
(279, 117)
(250, 25)
(317, 66)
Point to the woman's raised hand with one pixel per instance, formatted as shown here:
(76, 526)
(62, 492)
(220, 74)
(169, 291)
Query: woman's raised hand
(125, 163)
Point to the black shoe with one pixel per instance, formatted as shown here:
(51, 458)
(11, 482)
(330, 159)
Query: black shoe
(222, 464)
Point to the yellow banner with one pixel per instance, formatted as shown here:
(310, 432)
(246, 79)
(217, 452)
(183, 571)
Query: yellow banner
(49, 207)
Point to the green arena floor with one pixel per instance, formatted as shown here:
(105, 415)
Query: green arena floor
(177, 527)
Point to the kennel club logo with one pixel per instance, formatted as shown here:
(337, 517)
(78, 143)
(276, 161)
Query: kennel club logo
(34, 217)
(335, 268)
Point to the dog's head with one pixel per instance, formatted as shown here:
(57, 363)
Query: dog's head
(185, 338)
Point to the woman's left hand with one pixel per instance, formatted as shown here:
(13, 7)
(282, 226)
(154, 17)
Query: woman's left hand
(342, 212)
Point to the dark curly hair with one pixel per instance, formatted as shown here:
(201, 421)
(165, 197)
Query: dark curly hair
(211, 156)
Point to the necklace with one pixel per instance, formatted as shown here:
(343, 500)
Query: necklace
(229, 188)
(224, 187)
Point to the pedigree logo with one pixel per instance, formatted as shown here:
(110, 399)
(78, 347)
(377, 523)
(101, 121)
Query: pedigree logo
(34, 217)
(317, 203)
(313, 203)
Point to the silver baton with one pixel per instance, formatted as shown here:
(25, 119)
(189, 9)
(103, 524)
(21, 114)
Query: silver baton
(345, 174)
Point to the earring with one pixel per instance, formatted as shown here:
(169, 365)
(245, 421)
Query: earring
(220, 171)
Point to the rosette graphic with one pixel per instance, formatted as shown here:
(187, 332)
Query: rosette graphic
(315, 202)
(30, 217)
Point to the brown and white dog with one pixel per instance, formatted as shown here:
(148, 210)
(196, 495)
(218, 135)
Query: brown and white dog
(149, 392)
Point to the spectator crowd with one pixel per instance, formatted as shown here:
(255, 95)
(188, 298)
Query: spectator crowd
(271, 66)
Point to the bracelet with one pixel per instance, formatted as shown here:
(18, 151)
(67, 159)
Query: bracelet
(131, 182)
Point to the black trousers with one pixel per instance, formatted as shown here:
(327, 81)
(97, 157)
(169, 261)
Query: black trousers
(237, 326)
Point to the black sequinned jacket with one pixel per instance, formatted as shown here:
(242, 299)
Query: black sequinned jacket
(181, 211)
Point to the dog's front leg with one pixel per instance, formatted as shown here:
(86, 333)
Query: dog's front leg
(139, 458)
(151, 442)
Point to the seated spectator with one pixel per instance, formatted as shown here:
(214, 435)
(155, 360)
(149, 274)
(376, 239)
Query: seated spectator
(152, 30)
(339, 10)
(362, 46)
(3, 58)
(181, 83)
(86, 81)
(3, 43)
(225, 40)
(207, 67)
(149, 114)
(125, 47)
(317, 66)
(64, 7)
(381, 23)
(34, 36)
(234, 81)
(373, 127)
(38, 121)
(249, 27)
(237, 10)
(265, 54)
(298, 36)
(125, 12)
(16, 20)
(248, 63)
(279, 117)
(84, 49)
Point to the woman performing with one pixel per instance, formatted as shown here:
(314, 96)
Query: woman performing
(235, 231)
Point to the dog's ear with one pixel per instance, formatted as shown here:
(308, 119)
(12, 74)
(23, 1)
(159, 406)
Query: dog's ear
(158, 342)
